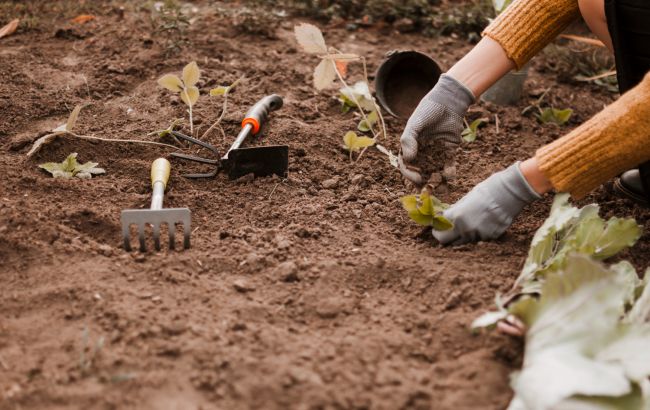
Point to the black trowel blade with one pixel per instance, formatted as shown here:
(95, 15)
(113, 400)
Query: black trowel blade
(260, 161)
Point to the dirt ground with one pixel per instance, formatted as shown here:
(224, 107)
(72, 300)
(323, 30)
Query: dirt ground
(314, 291)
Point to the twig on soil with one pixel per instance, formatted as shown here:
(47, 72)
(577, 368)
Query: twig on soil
(496, 122)
(360, 155)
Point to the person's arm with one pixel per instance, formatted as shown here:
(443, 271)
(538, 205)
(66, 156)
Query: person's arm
(527, 26)
(613, 141)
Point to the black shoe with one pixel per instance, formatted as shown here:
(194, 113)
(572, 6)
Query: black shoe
(629, 185)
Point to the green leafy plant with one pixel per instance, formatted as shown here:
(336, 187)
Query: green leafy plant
(470, 133)
(334, 65)
(70, 168)
(426, 210)
(186, 87)
(169, 19)
(583, 341)
(585, 322)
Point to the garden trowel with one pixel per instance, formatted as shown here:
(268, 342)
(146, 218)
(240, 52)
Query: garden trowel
(260, 161)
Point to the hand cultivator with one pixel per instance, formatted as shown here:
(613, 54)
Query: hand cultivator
(260, 161)
(157, 216)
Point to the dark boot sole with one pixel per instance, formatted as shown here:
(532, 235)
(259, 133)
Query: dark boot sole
(621, 190)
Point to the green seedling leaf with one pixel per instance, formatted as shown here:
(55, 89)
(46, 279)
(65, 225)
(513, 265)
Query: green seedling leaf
(354, 143)
(190, 95)
(171, 82)
(191, 74)
(359, 92)
(554, 116)
(310, 38)
(426, 210)
(367, 125)
(221, 90)
(470, 133)
(71, 168)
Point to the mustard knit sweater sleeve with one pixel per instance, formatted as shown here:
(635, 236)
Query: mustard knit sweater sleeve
(527, 26)
(613, 141)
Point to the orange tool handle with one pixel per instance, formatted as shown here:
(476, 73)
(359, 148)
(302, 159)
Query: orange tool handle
(256, 117)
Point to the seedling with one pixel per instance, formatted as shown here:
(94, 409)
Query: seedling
(186, 87)
(471, 132)
(548, 115)
(426, 210)
(225, 92)
(333, 65)
(552, 115)
(70, 168)
(354, 143)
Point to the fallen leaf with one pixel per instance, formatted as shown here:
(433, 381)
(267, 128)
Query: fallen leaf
(83, 18)
(72, 119)
(342, 67)
(9, 28)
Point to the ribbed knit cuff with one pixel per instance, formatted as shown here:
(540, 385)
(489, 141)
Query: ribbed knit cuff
(613, 141)
(527, 26)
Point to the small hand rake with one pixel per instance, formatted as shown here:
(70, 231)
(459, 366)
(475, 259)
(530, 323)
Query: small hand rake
(156, 215)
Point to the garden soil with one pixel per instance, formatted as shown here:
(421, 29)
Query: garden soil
(312, 291)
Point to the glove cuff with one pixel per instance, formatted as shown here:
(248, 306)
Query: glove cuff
(452, 94)
(524, 191)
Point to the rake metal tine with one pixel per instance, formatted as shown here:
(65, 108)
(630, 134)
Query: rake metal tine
(126, 236)
(156, 236)
(186, 236)
(172, 235)
(143, 248)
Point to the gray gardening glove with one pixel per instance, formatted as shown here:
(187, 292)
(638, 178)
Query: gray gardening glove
(488, 209)
(438, 117)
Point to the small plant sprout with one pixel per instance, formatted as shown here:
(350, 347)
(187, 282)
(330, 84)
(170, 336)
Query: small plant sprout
(471, 132)
(552, 115)
(426, 210)
(70, 168)
(548, 115)
(353, 143)
(333, 65)
(225, 92)
(186, 87)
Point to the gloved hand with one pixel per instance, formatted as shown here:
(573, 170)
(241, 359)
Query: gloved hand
(438, 117)
(489, 208)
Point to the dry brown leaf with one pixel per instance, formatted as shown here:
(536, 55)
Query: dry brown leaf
(342, 67)
(83, 18)
(9, 28)
(46, 139)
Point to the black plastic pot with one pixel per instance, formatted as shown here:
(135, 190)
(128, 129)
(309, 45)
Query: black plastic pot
(402, 79)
